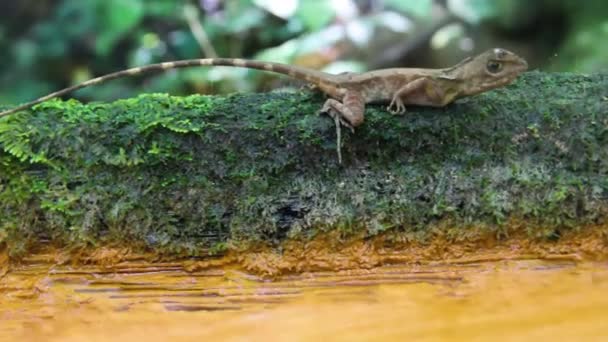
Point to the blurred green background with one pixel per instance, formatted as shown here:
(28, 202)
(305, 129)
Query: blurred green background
(46, 45)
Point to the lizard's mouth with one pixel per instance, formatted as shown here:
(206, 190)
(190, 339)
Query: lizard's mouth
(503, 81)
(520, 68)
(523, 65)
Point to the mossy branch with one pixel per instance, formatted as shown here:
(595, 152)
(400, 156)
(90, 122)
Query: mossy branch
(189, 174)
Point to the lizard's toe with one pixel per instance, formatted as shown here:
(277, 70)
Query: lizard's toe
(325, 111)
(347, 125)
(390, 109)
(337, 117)
(396, 107)
(401, 109)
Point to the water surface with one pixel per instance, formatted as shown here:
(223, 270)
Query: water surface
(504, 300)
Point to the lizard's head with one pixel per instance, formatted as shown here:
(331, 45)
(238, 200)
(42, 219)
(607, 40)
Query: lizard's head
(492, 69)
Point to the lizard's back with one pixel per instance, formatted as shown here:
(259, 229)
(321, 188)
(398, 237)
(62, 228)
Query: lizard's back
(380, 85)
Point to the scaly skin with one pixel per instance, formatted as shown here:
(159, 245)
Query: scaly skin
(350, 92)
(425, 87)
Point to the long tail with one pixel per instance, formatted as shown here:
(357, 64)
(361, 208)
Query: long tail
(305, 74)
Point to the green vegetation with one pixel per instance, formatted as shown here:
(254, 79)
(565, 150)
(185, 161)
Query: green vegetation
(190, 175)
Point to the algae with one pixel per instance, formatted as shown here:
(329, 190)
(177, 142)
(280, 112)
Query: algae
(194, 175)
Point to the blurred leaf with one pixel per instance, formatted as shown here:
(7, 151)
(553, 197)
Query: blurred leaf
(509, 14)
(242, 15)
(344, 66)
(25, 52)
(475, 11)
(163, 8)
(581, 51)
(418, 8)
(447, 34)
(393, 21)
(315, 14)
(49, 36)
(24, 89)
(360, 32)
(120, 17)
(282, 9)
(73, 19)
(283, 53)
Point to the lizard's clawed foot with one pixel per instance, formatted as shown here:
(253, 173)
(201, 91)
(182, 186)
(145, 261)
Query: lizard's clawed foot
(396, 106)
(332, 114)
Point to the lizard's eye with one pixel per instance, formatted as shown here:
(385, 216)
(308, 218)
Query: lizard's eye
(494, 67)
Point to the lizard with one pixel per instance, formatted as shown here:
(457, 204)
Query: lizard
(349, 93)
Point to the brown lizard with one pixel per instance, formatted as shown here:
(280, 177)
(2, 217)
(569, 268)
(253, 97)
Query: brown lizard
(350, 92)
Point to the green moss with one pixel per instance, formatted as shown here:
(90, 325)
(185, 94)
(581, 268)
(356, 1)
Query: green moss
(189, 174)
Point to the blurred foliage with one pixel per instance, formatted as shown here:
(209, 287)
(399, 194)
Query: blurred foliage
(50, 44)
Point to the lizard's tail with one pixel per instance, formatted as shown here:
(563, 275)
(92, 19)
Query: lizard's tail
(309, 75)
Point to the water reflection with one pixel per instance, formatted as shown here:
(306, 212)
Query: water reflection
(498, 300)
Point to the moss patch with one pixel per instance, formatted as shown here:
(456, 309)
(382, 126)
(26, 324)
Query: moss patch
(192, 175)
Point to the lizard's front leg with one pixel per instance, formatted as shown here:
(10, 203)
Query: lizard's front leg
(397, 101)
(349, 113)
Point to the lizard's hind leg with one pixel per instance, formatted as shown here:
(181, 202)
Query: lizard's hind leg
(349, 113)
